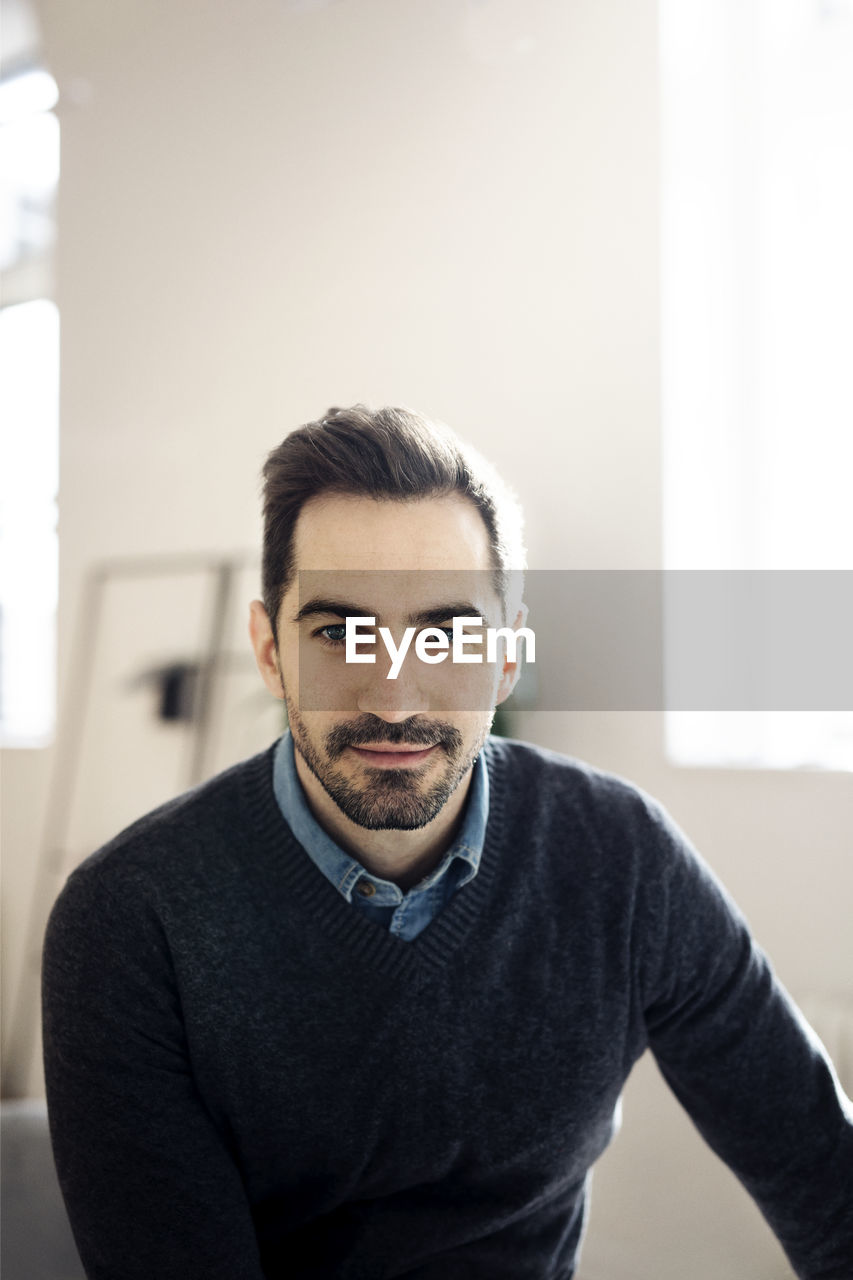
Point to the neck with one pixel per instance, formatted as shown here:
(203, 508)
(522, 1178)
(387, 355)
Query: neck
(403, 857)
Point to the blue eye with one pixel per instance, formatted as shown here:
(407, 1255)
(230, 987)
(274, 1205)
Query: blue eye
(334, 634)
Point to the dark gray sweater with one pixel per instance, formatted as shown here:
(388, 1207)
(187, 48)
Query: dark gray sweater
(248, 1078)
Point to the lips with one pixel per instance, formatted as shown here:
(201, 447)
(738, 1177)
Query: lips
(393, 756)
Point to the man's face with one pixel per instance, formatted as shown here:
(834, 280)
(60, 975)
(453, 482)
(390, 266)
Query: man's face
(389, 752)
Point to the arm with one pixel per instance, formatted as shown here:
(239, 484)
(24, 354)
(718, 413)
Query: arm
(150, 1186)
(749, 1070)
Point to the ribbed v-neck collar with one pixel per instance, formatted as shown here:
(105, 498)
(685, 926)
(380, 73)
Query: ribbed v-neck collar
(280, 857)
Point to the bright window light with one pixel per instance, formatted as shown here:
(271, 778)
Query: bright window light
(29, 171)
(29, 414)
(29, 410)
(26, 94)
(757, 112)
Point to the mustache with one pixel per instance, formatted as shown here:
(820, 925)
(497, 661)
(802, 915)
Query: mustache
(415, 732)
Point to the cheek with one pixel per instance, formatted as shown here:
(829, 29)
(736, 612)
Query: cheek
(473, 725)
(310, 727)
(288, 661)
(315, 677)
(465, 687)
(324, 681)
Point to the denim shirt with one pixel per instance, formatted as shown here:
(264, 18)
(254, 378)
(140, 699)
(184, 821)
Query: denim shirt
(403, 914)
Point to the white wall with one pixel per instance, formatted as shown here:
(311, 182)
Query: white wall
(269, 207)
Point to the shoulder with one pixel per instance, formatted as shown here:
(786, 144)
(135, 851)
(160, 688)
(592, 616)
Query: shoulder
(186, 845)
(609, 823)
(610, 846)
(523, 772)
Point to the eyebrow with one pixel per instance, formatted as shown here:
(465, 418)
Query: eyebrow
(337, 608)
(430, 617)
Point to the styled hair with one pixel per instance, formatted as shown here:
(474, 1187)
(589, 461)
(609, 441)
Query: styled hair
(387, 453)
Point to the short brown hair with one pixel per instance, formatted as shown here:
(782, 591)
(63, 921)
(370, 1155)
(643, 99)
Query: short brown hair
(383, 453)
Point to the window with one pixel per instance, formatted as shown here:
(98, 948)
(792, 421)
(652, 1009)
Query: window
(29, 396)
(757, 112)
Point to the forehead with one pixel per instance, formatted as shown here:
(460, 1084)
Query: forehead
(348, 532)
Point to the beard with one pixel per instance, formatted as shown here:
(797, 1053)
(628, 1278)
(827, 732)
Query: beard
(388, 799)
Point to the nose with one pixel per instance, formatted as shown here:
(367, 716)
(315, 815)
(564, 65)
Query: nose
(393, 700)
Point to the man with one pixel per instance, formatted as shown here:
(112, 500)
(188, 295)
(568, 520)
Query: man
(363, 1005)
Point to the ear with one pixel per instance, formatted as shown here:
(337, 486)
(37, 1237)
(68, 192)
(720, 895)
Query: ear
(512, 670)
(263, 643)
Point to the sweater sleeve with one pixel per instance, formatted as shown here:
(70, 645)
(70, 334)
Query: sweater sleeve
(742, 1060)
(150, 1186)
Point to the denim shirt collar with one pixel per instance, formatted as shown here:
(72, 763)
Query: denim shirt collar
(342, 870)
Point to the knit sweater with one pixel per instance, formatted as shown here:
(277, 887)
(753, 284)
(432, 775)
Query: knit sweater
(246, 1078)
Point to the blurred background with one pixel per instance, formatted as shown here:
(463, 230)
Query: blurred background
(607, 242)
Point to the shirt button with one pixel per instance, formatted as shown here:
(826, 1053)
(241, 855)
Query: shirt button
(365, 888)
